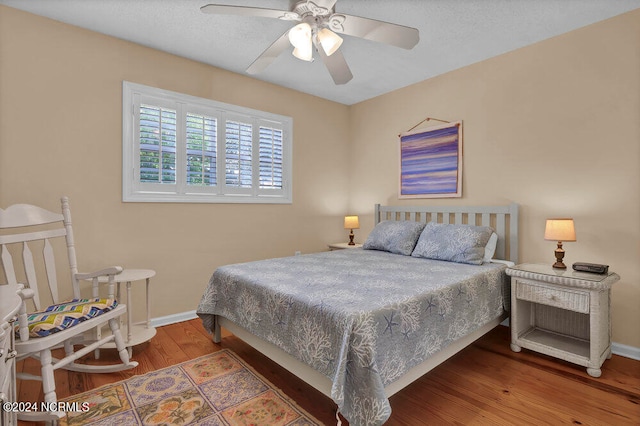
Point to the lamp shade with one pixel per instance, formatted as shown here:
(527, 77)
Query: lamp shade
(300, 35)
(329, 41)
(560, 230)
(351, 222)
(300, 38)
(304, 53)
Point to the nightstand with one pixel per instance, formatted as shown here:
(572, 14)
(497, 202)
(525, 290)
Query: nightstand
(562, 313)
(342, 246)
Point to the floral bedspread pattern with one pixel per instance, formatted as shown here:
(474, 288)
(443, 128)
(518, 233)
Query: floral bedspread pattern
(360, 317)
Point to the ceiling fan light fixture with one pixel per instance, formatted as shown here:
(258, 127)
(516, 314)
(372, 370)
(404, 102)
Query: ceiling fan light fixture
(300, 35)
(300, 38)
(329, 41)
(306, 54)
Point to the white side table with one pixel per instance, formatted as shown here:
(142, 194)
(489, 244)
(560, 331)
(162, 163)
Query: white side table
(562, 313)
(342, 246)
(142, 331)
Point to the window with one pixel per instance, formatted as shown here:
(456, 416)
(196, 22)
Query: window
(179, 148)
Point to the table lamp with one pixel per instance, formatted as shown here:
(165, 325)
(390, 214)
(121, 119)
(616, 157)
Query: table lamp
(351, 222)
(560, 230)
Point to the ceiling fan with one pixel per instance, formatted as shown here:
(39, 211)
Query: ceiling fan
(317, 27)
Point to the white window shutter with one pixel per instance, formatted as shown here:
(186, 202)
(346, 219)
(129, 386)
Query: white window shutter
(179, 148)
(270, 162)
(201, 133)
(157, 145)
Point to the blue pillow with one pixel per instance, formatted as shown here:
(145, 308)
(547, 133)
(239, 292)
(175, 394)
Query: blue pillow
(453, 243)
(397, 237)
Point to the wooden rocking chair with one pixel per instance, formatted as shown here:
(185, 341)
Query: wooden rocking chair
(66, 322)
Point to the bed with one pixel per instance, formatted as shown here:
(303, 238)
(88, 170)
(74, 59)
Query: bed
(361, 324)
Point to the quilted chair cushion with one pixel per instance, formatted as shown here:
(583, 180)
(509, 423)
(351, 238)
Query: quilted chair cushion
(67, 314)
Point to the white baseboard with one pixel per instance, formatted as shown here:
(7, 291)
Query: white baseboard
(174, 318)
(625, 350)
(617, 348)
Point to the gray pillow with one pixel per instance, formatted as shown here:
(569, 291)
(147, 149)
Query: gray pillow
(397, 237)
(454, 243)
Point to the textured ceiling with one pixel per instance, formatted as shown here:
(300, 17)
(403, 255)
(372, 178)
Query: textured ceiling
(453, 34)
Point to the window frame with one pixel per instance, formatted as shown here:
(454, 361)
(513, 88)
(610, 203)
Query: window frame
(134, 94)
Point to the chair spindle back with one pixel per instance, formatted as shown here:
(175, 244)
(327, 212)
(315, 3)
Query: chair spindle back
(22, 225)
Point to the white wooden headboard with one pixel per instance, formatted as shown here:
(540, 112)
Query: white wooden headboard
(503, 219)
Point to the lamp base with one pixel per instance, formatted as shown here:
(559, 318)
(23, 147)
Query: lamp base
(351, 243)
(559, 252)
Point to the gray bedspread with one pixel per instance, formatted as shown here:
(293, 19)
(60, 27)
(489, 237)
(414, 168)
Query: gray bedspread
(360, 317)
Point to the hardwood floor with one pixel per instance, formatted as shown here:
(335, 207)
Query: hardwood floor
(485, 383)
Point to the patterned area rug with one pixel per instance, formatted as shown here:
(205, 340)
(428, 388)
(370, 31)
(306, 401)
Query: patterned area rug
(216, 389)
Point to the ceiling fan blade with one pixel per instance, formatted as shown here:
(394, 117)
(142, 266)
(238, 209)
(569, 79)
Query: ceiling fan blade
(337, 66)
(270, 54)
(219, 9)
(371, 29)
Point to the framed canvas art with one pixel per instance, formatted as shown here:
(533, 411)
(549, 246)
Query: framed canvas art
(431, 162)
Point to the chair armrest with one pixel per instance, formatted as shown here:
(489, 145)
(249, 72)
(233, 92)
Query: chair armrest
(113, 270)
(109, 273)
(26, 293)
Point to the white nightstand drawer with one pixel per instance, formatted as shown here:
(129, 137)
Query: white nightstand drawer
(571, 300)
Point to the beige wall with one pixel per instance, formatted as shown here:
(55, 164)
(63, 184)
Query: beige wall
(554, 127)
(61, 134)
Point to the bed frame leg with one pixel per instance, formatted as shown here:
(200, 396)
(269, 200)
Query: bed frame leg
(216, 330)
